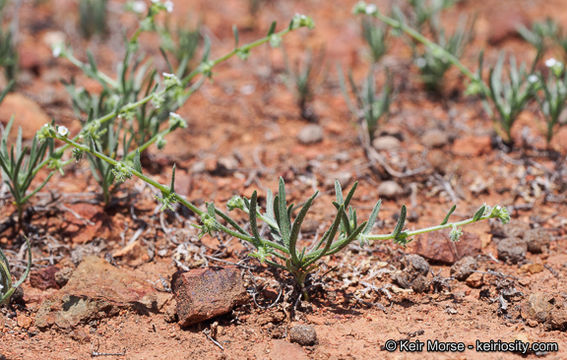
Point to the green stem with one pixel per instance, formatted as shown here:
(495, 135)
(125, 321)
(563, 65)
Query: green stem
(379, 237)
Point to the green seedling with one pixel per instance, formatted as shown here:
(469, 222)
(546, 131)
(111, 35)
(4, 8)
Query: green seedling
(302, 77)
(7, 287)
(8, 54)
(369, 108)
(433, 65)
(553, 95)
(19, 166)
(510, 94)
(375, 37)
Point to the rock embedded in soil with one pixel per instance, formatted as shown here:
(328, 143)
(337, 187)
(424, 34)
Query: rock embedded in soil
(463, 268)
(413, 275)
(310, 134)
(386, 143)
(537, 240)
(435, 138)
(475, 280)
(437, 246)
(390, 189)
(545, 308)
(512, 250)
(44, 278)
(303, 335)
(202, 294)
(97, 290)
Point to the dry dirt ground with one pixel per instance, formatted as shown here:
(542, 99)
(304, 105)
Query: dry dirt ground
(242, 136)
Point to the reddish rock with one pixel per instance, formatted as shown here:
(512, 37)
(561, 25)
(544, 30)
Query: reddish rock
(26, 112)
(44, 278)
(97, 290)
(437, 246)
(202, 294)
(471, 145)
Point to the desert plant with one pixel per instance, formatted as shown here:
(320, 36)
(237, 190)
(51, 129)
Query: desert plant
(280, 247)
(508, 95)
(511, 94)
(7, 287)
(433, 66)
(8, 55)
(183, 46)
(18, 165)
(553, 97)
(369, 107)
(119, 113)
(375, 37)
(301, 79)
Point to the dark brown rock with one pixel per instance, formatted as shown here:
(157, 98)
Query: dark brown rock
(512, 250)
(202, 294)
(303, 335)
(44, 278)
(463, 268)
(437, 246)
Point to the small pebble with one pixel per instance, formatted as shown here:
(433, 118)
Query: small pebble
(390, 189)
(434, 138)
(463, 268)
(303, 335)
(512, 250)
(310, 134)
(386, 143)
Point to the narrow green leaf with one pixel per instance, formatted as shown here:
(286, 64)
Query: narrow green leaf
(252, 216)
(297, 226)
(137, 161)
(401, 221)
(479, 213)
(235, 32)
(451, 211)
(284, 222)
(272, 28)
(172, 185)
(338, 192)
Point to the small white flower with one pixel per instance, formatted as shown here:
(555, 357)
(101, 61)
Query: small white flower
(155, 1)
(533, 79)
(551, 62)
(169, 6)
(168, 75)
(58, 50)
(139, 7)
(62, 131)
(371, 9)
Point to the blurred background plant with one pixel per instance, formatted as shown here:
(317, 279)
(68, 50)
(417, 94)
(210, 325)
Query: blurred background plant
(302, 79)
(369, 107)
(8, 52)
(93, 17)
(552, 98)
(375, 36)
(182, 43)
